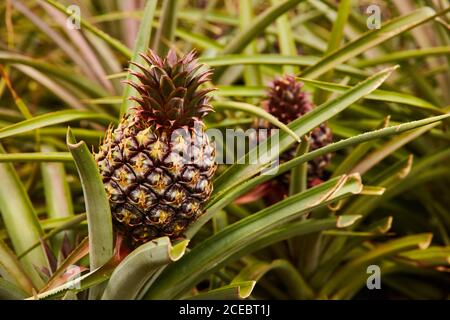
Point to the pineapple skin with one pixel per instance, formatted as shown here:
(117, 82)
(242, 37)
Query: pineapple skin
(157, 165)
(152, 189)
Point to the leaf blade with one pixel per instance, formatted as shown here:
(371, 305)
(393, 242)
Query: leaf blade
(142, 42)
(49, 119)
(97, 206)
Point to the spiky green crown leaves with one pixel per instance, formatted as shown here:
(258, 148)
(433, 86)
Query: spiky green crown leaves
(169, 89)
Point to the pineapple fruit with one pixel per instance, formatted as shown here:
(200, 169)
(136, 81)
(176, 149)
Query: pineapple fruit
(158, 164)
(287, 102)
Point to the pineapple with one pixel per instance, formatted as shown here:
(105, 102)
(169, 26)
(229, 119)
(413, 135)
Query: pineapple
(286, 101)
(158, 164)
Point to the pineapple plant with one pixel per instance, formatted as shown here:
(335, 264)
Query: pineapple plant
(158, 164)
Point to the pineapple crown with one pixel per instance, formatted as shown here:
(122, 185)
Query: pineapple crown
(169, 89)
(285, 99)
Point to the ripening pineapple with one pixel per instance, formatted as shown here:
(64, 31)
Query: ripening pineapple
(287, 102)
(157, 165)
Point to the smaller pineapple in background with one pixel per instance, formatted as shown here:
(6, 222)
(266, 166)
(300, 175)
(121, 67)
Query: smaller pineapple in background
(158, 164)
(286, 101)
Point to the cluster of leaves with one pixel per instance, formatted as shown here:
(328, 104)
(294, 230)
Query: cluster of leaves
(386, 200)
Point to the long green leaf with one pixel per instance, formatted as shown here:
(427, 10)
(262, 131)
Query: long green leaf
(417, 176)
(9, 291)
(395, 57)
(357, 153)
(251, 109)
(273, 59)
(387, 179)
(296, 284)
(369, 40)
(285, 38)
(36, 157)
(20, 220)
(299, 175)
(233, 291)
(97, 206)
(65, 74)
(357, 268)
(11, 269)
(116, 44)
(389, 147)
(58, 90)
(57, 194)
(166, 31)
(59, 225)
(89, 134)
(50, 119)
(88, 281)
(338, 26)
(432, 256)
(240, 91)
(258, 26)
(334, 42)
(62, 43)
(379, 95)
(131, 275)
(359, 139)
(252, 73)
(142, 43)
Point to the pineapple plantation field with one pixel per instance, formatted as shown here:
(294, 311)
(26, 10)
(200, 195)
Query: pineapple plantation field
(224, 149)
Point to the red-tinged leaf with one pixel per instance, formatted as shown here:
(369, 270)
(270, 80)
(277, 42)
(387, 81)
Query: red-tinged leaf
(80, 252)
(51, 259)
(66, 246)
(256, 194)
